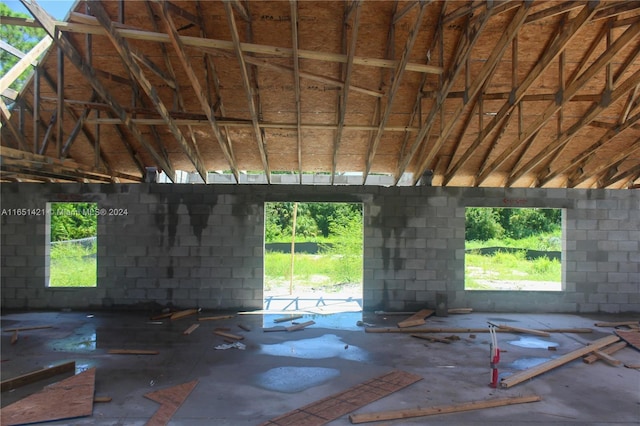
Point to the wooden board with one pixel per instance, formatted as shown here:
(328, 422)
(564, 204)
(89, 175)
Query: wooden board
(132, 352)
(335, 406)
(418, 318)
(590, 359)
(300, 326)
(522, 376)
(37, 327)
(69, 398)
(631, 337)
(170, 399)
(215, 318)
(182, 314)
(430, 411)
(464, 330)
(34, 376)
(229, 335)
(616, 324)
(512, 329)
(191, 329)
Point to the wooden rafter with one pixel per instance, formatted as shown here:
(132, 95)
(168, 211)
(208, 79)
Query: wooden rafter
(348, 71)
(395, 85)
(259, 136)
(518, 94)
(570, 91)
(293, 7)
(48, 24)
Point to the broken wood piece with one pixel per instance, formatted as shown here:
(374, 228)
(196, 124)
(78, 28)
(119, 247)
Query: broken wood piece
(37, 375)
(634, 366)
(632, 337)
(132, 352)
(170, 399)
(161, 316)
(607, 358)
(289, 318)
(418, 318)
(520, 377)
(460, 310)
(609, 350)
(444, 409)
(37, 327)
(182, 314)
(616, 324)
(521, 330)
(431, 338)
(14, 337)
(229, 335)
(215, 318)
(244, 327)
(102, 399)
(300, 326)
(69, 398)
(465, 330)
(191, 329)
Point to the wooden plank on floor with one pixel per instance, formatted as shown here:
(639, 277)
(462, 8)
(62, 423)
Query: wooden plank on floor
(132, 352)
(512, 329)
(170, 399)
(617, 324)
(191, 329)
(522, 376)
(182, 314)
(430, 411)
(34, 376)
(418, 318)
(69, 398)
(37, 327)
(464, 330)
(215, 318)
(228, 335)
(631, 337)
(609, 350)
(335, 406)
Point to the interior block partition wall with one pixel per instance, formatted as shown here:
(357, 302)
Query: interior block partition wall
(202, 245)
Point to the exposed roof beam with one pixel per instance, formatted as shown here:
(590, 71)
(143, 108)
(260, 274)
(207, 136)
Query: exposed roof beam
(125, 51)
(395, 85)
(630, 175)
(247, 87)
(568, 93)
(78, 61)
(343, 99)
(280, 52)
(293, 6)
(178, 47)
(27, 60)
(569, 31)
(556, 9)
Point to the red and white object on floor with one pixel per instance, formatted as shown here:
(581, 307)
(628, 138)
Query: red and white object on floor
(494, 356)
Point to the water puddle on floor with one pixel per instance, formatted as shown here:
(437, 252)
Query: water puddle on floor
(533, 343)
(526, 363)
(327, 346)
(295, 379)
(83, 339)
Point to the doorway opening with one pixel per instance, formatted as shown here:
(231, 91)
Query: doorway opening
(72, 245)
(313, 257)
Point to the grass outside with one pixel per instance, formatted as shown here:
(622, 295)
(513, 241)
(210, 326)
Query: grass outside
(72, 265)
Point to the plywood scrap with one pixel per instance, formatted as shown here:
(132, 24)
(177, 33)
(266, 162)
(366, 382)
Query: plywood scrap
(300, 326)
(170, 399)
(287, 318)
(191, 329)
(444, 409)
(522, 376)
(132, 352)
(418, 318)
(37, 375)
(335, 406)
(184, 313)
(512, 329)
(215, 318)
(69, 398)
(228, 335)
(609, 350)
(631, 337)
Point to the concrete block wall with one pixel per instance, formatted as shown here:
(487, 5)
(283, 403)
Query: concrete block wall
(202, 245)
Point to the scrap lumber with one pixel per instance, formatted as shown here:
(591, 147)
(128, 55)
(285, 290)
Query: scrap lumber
(170, 399)
(522, 376)
(609, 350)
(215, 318)
(102, 399)
(418, 318)
(335, 406)
(460, 310)
(228, 335)
(69, 398)
(631, 337)
(161, 316)
(191, 329)
(616, 324)
(37, 327)
(37, 375)
(607, 358)
(289, 318)
(182, 314)
(244, 327)
(431, 338)
(300, 326)
(465, 330)
(132, 352)
(633, 366)
(512, 329)
(444, 409)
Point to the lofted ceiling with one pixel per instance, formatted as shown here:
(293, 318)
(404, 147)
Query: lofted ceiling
(468, 93)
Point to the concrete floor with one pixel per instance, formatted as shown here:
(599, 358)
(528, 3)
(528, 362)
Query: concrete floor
(282, 371)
